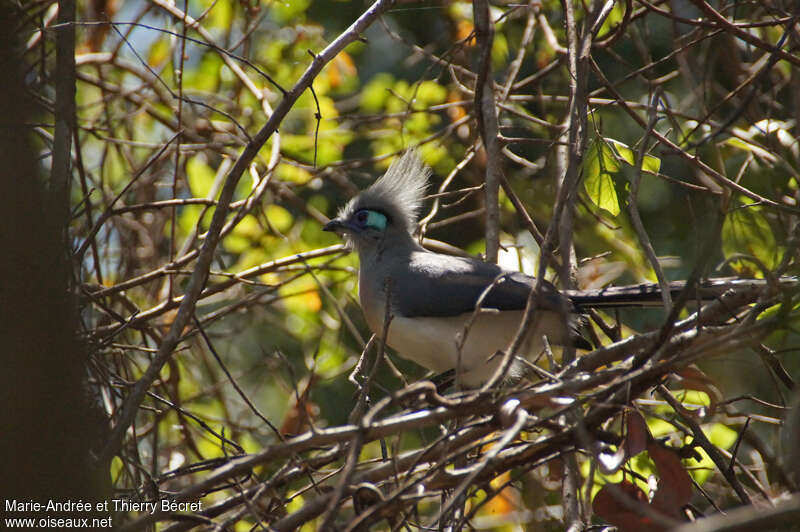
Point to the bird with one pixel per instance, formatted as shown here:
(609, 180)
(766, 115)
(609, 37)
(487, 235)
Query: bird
(453, 314)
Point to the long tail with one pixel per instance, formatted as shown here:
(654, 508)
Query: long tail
(649, 294)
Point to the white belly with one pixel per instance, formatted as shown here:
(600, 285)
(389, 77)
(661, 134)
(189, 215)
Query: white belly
(432, 342)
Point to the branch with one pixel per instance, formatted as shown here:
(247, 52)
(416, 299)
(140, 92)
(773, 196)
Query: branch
(636, 219)
(579, 47)
(486, 115)
(745, 35)
(64, 107)
(784, 514)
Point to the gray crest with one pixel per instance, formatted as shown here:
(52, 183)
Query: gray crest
(398, 193)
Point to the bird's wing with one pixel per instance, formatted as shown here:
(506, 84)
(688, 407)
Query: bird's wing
(441, 285)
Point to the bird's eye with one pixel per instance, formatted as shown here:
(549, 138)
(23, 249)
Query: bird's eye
(371, 219)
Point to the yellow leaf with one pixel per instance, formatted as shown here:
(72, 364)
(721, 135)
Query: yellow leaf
(464, 29)
(301, 295)
(280, 219)
(293, 174)
(506, 501)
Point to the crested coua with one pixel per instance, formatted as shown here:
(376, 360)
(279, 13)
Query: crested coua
(433, 297)
(452, 313)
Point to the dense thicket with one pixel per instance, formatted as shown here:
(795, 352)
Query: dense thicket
(599, 142)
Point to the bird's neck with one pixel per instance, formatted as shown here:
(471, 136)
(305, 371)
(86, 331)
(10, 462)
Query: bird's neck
(379, 266)
(394, 249)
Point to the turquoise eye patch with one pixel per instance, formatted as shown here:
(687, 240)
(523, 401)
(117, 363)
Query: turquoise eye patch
(376, 220)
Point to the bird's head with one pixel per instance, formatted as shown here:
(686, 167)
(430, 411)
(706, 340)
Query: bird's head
(385, 214)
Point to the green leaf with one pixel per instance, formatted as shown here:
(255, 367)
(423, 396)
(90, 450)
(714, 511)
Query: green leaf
(221, 15)
(600, 166)
(244, 236)
(293, 174)
(206, 76)
(284, 12)
(747, 232)
(430, 93)
(188, 219)
(279, 218)
(651, 164)
(375, 93)
(200, 176)
(117, 468)
(159, 52)
(398, 102)
(499, 51)
(750, 147)
(721, 436)
(623, 151)
(614, 17)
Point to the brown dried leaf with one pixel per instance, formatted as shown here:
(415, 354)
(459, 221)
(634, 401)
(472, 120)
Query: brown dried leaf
(638, 434)
(301, 413)
(674, 484)
(611, 505)
(636, 437)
